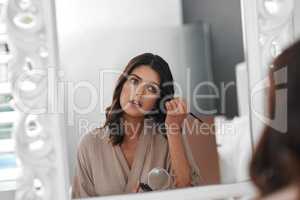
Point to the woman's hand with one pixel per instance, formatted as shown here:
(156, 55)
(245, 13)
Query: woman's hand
(176, 113)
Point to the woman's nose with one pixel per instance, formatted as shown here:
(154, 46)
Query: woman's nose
(140, 90)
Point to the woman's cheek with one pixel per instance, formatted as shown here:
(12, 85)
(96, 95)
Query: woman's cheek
(149, 105)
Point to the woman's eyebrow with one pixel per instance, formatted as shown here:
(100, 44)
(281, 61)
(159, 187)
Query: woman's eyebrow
(142, 79)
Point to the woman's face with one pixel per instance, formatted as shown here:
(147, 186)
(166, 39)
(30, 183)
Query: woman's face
(140, 91)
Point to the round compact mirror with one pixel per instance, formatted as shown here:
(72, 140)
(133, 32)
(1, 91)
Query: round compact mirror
(159, 179)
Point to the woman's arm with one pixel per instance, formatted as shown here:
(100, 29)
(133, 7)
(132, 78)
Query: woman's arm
(176, 113)
(179, 161)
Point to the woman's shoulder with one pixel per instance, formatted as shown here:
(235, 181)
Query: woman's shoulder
(93, 137)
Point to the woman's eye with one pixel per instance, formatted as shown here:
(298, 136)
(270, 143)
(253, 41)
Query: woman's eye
(152, 89)
(134, 81)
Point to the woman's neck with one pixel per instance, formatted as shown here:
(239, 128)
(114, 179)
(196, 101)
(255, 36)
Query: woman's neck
(133, 127)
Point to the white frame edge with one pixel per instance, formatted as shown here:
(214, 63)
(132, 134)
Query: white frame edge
(237, 190)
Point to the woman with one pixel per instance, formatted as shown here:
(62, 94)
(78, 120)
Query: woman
(142, 131)
(276, 162)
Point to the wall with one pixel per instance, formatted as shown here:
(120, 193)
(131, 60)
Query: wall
(76, 16)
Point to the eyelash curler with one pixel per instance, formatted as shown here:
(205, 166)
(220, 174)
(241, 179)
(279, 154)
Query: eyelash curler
(195, 117)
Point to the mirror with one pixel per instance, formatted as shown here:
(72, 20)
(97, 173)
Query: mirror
(159, 179)
(97, 39)
(60, 79)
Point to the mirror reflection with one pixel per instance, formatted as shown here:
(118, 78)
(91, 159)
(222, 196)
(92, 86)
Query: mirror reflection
(122, 69)
(143, 130)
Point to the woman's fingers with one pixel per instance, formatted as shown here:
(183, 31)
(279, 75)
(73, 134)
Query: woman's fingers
(168, 106)
(181, 106)
(176, 112)
(184, 105)
(176, 106)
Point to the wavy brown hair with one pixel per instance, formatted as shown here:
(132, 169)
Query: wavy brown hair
(276, 160)
(114, 111)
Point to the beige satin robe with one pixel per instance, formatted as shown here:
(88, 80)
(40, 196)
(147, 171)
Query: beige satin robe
(103, 170)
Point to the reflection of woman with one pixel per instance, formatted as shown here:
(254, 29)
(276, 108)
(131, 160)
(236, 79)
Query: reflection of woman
(115, 158)
(275, 167)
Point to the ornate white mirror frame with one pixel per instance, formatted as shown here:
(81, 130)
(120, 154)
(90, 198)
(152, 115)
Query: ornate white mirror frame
(268, 28)
(39, 134)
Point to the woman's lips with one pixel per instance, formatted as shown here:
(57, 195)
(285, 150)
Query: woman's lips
(136, 103)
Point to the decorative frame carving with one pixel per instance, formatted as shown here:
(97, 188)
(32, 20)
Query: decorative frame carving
(39, 132)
